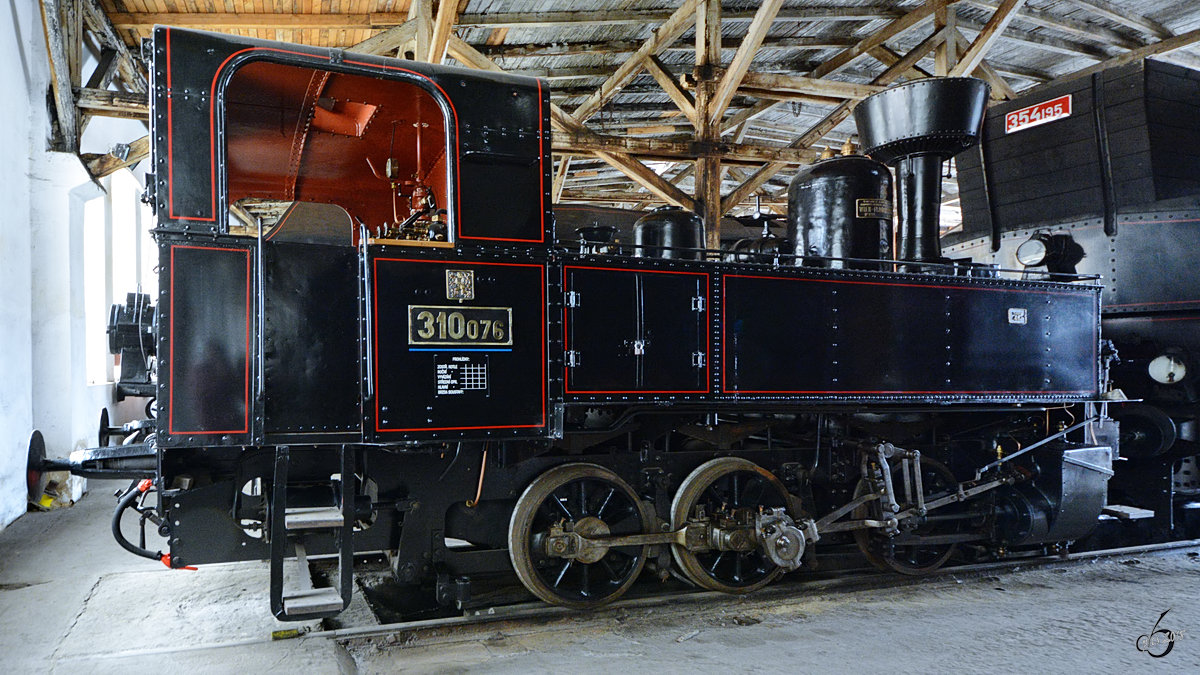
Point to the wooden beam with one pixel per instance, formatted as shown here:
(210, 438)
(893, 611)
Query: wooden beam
(497, 36)
(420, 14)
(809, 85)
(389, 41)
(667, 32)
(377, 20)
(100, 166)
(447, 14)
(843, 58)
(66, 115)
(131, 69)
(890, 58)
(105, 103)
(512, 51)
(1123, 16)
(1182, 40)
(1080, 29)
(1041, 41)
(106, 68)
(706, 170)
(469, 56)
(835, 117)
(563, 120)
(653, 182)
(945, 20)
(578, 143)
(755, 34)
(682, 99)
(971, 59)
(1000, 89)
(560, 178)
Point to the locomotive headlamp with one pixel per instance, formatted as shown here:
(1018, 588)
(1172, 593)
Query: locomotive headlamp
(1034, 251)
(1167, 369)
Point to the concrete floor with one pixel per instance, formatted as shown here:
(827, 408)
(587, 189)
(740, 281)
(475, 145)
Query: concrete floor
(72, 601)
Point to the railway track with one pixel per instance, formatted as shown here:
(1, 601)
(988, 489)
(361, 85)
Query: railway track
(533, 614)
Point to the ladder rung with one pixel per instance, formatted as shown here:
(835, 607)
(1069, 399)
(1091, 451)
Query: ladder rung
(311, 518)
(312, 601)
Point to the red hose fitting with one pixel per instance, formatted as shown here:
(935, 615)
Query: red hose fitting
(166, 560)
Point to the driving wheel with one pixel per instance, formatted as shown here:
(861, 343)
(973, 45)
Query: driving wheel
(588, 500)
(727, 488)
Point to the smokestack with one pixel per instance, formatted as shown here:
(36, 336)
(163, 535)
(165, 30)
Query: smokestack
(913, 128)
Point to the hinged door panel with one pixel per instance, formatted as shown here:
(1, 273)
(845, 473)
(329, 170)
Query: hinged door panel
(635, 331)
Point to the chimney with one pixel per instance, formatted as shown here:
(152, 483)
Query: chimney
(914, 127)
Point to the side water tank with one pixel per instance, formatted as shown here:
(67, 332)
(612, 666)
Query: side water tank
(668, 232)
(841, 207)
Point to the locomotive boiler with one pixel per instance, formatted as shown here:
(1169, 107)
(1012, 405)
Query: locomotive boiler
(369, 340)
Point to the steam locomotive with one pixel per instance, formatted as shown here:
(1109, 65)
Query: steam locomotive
(370, 338)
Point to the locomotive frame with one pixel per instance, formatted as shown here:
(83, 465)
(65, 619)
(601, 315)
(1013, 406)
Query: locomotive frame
(348, 389)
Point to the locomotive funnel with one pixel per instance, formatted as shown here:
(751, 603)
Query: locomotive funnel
(914, 127)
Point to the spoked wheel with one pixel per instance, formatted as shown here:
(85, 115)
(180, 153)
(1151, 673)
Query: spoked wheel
(594, 502)
(891, 554)
(727, 487)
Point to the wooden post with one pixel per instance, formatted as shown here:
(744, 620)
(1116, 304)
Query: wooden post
(945, 19)
(708, 164)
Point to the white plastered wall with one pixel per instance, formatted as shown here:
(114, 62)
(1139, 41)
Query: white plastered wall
(43, 362)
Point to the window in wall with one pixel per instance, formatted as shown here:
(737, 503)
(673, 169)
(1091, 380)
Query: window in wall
(120, 257)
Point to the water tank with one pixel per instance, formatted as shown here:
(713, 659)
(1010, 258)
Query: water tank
(841, 208)
(669, 232)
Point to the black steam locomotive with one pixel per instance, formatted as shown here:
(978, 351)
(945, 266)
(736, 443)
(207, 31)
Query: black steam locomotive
(370, 339)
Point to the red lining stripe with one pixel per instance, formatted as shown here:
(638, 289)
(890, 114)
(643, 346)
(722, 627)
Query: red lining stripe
(171, 332)
(724, 342)
(212, 129)
(707, 326)
(375, 355)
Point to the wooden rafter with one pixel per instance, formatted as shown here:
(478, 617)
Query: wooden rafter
(381, 20)
(389, 41)
(672, 28)
(559, 118)
(818, 131)
(1003, 16)
(1123, 16)
(682, 99)
(1000, 89)
(581, 143)
(60, 75)
(130, 69)
(560, 177)
(900, 25)
(100, 166)
(447, 14)
(513, 51)
(1165, 46)
(740, 64)
(108, 103)
(945, 20)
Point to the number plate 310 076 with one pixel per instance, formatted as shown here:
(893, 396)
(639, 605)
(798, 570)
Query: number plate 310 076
(459, 326)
